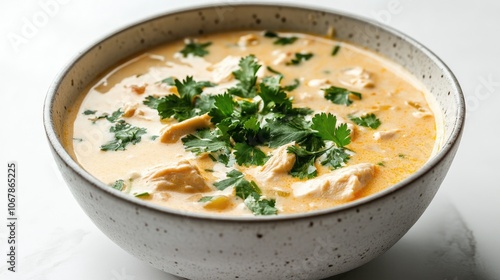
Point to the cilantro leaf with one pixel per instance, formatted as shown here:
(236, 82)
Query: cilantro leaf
(233, 177)
(273, 71)
(223, 108)
(125, 134)
(151, 102)
(369, 120)
(248, 155)
(274, 98)
(187, 104)
(205, 140)
(249, 191)
(299, 57)
(196, 49)
(296, 84)
(335, 50)
(169, 81)
(118, 185)
(247, 77)
(205, 199)
(261, 206)
(111, 118)
(280, 40)
(89, 112)
(284, 131)
(335, 158)
(304, 166)
(326, 126)
(340, 95)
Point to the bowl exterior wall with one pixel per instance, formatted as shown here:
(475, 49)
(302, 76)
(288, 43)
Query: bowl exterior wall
(308, 247)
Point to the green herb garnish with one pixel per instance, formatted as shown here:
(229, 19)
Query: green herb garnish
(340, 95)
(369, 120)
(280, 40)
(335, 50)
(299, 57)
(196, 49)
(118, 185)
(124, 134)
(249, 191)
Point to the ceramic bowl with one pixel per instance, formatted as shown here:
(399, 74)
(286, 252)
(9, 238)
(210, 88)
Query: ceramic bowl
(299, 246)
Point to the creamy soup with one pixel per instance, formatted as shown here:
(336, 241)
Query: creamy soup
(253, 123)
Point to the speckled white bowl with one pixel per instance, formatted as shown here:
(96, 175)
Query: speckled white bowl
(302, 246)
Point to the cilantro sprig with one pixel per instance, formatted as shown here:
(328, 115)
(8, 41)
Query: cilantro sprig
(196, 49)
(368, 120)
(247, 77)
(189, 103)
(249, 192)
(340, 96)
(324, 128)
(299, 57)
(280, 40)
(124, 134)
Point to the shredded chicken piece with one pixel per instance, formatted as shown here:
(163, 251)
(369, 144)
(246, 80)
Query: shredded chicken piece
(281, 162)
(181, 177)
(319, 83)
(246, 40)
(129, 110)
(385, 135)
(223, 70)
(356, 77)
(172, 133)
(138, 89)
(341, 184)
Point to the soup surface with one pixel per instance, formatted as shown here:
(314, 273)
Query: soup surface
(253, 123)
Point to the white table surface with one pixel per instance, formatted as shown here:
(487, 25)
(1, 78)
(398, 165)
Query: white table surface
(458, 237)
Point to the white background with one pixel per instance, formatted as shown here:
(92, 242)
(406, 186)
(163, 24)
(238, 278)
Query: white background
(458, 237)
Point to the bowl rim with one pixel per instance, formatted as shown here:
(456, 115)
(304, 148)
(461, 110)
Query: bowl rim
(447, 147)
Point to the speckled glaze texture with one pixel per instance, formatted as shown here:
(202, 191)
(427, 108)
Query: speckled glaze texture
(303, 246)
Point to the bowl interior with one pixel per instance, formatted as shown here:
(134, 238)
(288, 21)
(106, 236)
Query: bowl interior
(162, 29)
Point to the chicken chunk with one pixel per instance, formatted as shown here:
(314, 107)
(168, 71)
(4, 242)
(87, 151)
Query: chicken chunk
(172, 133)
(246, 40)
(356, 77)
(384, 135)
(341, 184)
(223, 70)
(182, 177)
(281, 162)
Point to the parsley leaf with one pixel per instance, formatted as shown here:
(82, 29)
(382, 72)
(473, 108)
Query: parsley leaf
(326, 125)
(304, 166)
(125, 134)
(187, 104)
(205, 140)
(340, 95)
(260, 206)
(274, 98)
(89, 112)
(299, 57)
(205, 199)
(118, 185)
(280, 40)
(335, 50)
(233, 177)
(369, 120)
(249, 191)
(296, 84)
(169, 81)
(247, 77)
(248, 155)
(284, 131)
(223, 108)
(196, 49)
(335, 158)
(151, 102)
